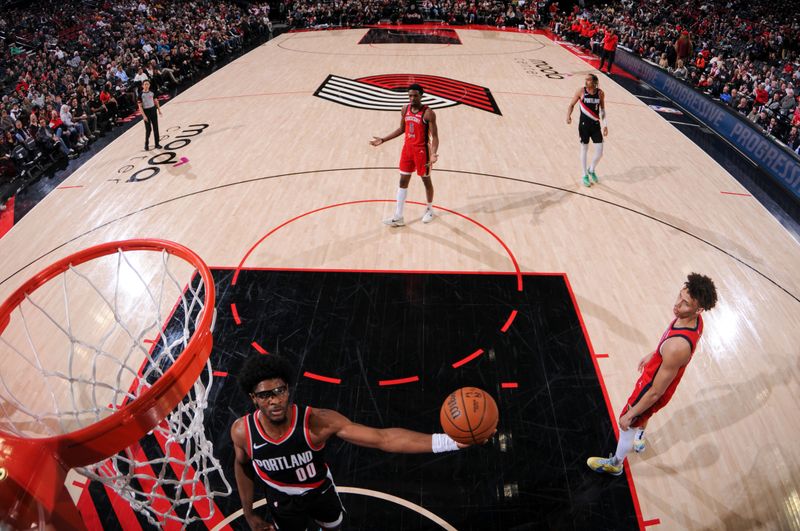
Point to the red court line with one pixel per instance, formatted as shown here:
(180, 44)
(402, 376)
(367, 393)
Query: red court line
(221, 374)
(235, 312)
(123, 511)
(88, 510)
(259, 348)
(204, 505)
(654, 521)
(634, 496)
(737, 193)
(469, 358)
(601, 355)
(322, 378)
(399, 381)
(509, 385)
(587, 56)
(147, 480)
(7, 217)
(365, 201)
(509, 321)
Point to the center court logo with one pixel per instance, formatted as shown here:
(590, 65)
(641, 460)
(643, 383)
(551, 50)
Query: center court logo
(388, 92)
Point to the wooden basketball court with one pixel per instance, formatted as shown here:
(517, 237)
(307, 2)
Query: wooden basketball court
(267, 167)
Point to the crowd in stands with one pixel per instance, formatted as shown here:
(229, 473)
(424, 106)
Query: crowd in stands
(525, 14)
(742, 52)
(69, 70)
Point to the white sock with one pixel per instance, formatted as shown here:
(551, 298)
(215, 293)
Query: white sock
(430, 207)
(624, 446)
(598, 154)
(584, 151)
(401, 202)
(639, 434)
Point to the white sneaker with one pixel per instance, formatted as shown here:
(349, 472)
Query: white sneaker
(639, 445)
(428, 217)
(394, 222)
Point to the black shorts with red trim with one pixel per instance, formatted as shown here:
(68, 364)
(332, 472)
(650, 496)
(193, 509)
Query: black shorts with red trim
(590, 129)
(293, 512)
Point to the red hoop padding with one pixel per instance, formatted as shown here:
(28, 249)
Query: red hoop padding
(38, 466)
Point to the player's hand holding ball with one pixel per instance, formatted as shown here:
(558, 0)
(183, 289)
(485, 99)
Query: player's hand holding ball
(469, 416)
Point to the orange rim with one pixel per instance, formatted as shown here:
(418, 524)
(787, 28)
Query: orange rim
(131, 422)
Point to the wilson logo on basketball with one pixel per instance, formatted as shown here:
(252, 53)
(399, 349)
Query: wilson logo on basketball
(452, 405)
(388, 92)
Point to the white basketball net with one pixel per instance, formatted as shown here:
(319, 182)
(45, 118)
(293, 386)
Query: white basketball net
(95, 338)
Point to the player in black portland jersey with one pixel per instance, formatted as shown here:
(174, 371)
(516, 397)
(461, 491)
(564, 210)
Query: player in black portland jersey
(593, 115)
(282, 444)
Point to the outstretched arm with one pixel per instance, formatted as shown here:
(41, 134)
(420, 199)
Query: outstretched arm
(325, 422)
(378, 140)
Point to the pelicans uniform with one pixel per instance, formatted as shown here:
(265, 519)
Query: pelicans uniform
(692, 336)
(298, 482)
(589, 125)
(415, 154)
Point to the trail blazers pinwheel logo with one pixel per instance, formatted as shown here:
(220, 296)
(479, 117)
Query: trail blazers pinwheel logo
(389, 92)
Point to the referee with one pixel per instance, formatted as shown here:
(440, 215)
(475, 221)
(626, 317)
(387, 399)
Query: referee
(148, 105)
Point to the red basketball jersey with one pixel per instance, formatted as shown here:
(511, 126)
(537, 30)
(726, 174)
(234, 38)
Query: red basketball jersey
(692, 335)
(416, 127)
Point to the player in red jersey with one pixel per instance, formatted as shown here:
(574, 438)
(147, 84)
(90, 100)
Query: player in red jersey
(418, 122)
(661, 370)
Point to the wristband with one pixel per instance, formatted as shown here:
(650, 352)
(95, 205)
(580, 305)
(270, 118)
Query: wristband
(441, 442)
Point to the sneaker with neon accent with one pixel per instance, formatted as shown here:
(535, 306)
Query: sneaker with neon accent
(586, 181)
(428, 217)
(593, 175)
(394, 222)
(639, 445)
(605, 465)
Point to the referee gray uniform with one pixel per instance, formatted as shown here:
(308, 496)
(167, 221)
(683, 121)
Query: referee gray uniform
(148, 104)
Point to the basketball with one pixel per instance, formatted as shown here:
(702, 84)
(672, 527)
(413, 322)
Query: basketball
(469, 415)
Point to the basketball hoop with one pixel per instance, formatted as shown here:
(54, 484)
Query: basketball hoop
(101, 356)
